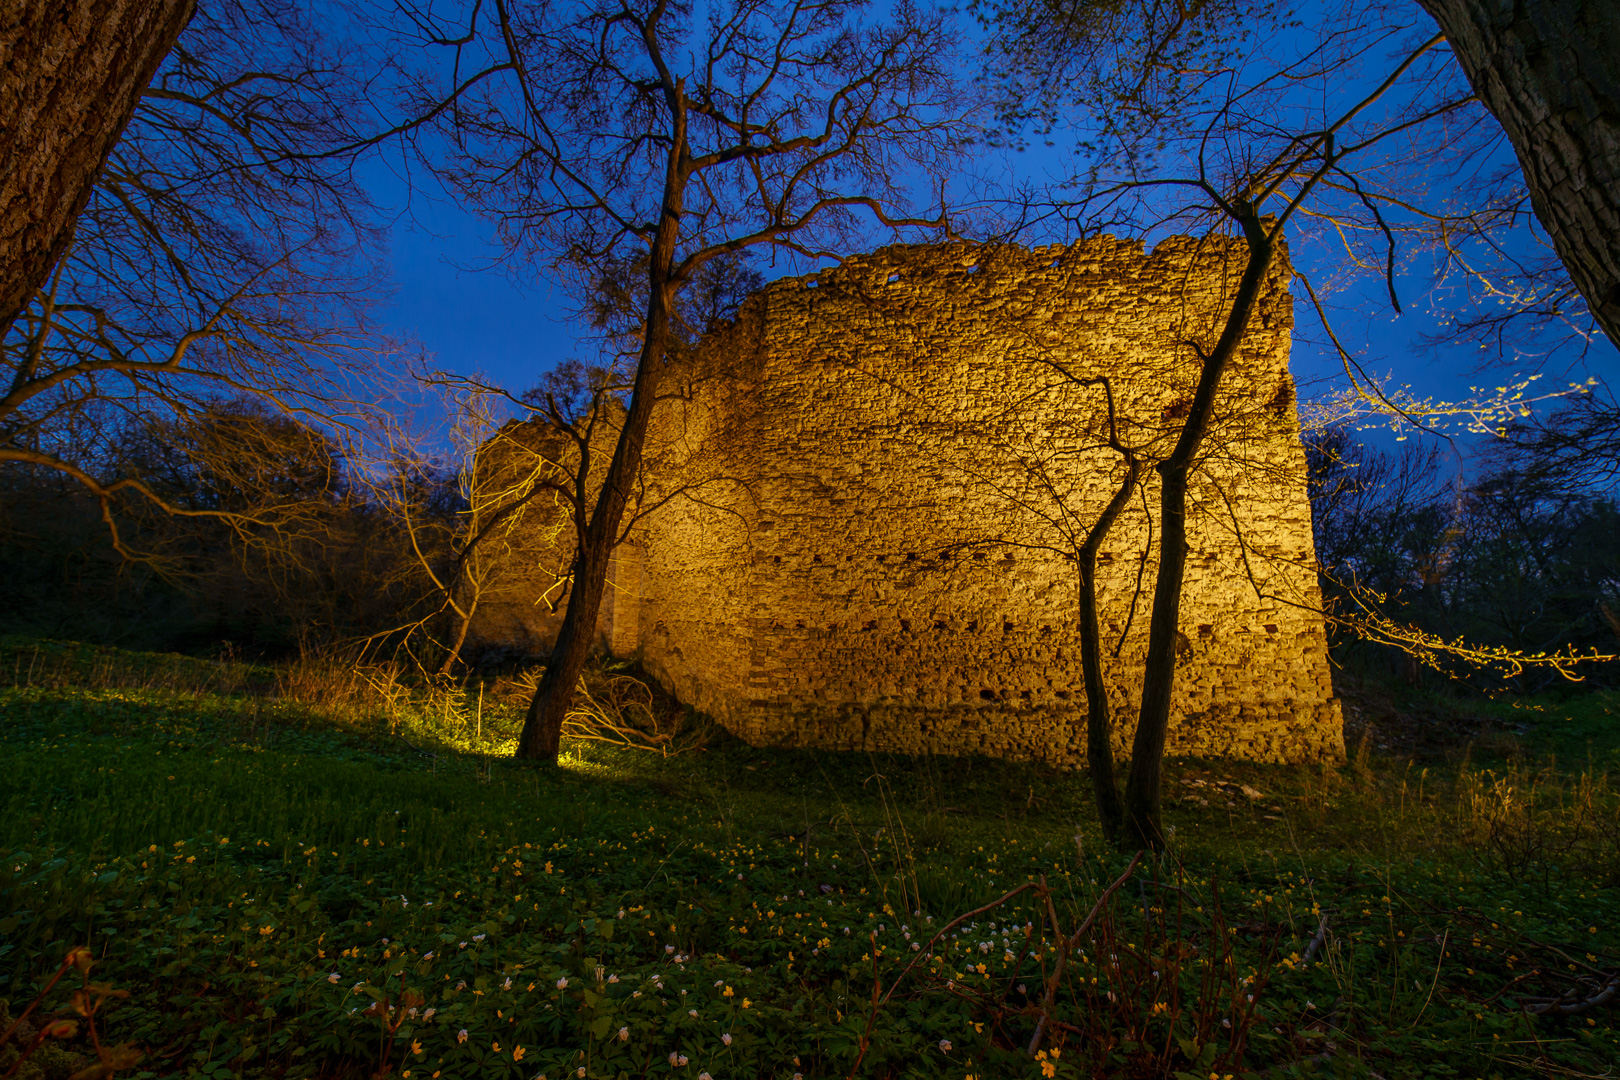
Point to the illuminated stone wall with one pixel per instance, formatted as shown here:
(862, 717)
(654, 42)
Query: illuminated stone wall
(894, 460)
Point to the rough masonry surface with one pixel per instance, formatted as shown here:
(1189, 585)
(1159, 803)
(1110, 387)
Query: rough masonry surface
(872, 485)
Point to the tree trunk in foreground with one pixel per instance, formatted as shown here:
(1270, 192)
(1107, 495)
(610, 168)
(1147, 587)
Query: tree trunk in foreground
(1550, 73)
(71, 73)
(542, 727)
(1142, 827)
(1099, 748)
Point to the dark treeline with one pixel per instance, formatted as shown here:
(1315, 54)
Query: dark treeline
(1523, 555)
(286, 551)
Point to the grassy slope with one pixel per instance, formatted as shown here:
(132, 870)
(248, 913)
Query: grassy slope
(257, 871)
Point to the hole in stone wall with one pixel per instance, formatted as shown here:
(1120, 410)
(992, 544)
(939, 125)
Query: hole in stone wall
(972, 626)
(1024, 694)
(911, 557)
(974, 269)
(776, 558)
(811, 284)
(1062, 695)
(978, 555)
(1206, 630)
(939, 626)
(894, 278)
(1271, 628)
(870, 625)
(816, 559)
(988, 695)
(1006, 628)
(1282, 402)
(905, 626)
(799, 625)
(1054, 262)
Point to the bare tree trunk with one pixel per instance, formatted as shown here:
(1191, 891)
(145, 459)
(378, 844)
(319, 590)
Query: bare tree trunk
(1142, 826)
(542, 728)
(463, 624)
(1099, 748)
(71, 73)
(1550, 73)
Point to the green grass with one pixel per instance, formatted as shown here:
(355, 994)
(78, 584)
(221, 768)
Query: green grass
(257, 858)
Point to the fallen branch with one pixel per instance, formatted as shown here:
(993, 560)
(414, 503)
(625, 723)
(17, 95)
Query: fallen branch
(1568, 1004)
(1067, 945)
(1316, 942)
(871, 1017)
(408, 742)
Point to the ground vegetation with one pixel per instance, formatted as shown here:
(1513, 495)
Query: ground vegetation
(359, 881)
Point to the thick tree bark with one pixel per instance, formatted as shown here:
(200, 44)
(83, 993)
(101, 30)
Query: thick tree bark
(71, 73)
(1550, 73)
(1099, 748)
(1142, 825)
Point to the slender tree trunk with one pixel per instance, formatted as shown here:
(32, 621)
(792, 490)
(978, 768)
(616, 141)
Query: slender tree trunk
(1549, 71)
(542, 728)
(463, 624)
(1099, 745)
(1142, 826)
(71, 73)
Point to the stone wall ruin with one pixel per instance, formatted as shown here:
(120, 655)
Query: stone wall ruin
(877, 477)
